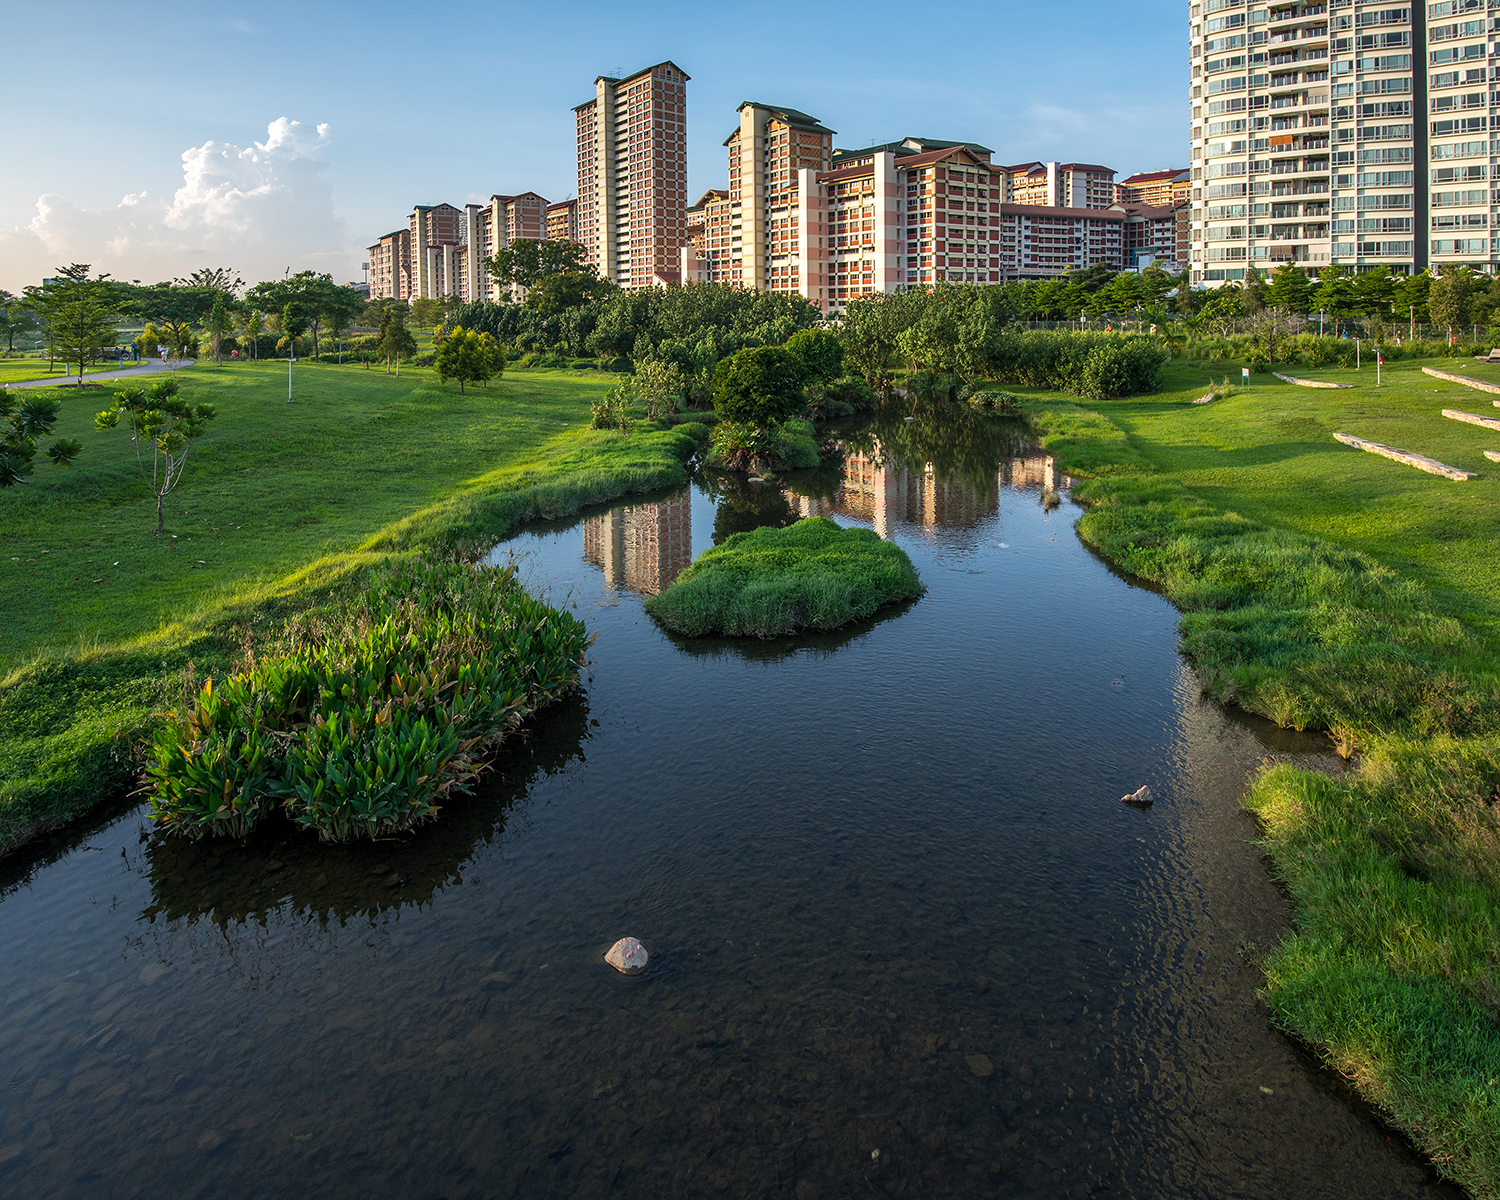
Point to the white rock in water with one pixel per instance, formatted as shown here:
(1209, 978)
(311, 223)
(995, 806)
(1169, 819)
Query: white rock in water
(1142, 797)
(628, 956)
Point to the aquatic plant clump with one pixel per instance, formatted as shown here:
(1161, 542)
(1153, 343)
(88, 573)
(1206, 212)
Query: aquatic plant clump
(813, 575)
(383, 708)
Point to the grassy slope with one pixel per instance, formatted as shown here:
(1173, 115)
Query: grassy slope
(1328, 587)
(279, 500)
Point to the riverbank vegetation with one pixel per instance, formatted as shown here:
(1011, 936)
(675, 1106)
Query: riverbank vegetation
(1328, 589)
(771, 582)
(384, 705)
(103, 624)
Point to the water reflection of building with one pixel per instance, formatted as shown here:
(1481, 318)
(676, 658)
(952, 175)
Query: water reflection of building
(643, 546)
(882, 491)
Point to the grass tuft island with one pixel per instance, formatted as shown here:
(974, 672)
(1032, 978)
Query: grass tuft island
(813, 575)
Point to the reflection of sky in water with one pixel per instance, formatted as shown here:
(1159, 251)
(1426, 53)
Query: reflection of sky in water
(857, 862)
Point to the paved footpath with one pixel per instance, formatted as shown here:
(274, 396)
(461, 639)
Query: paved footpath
(148, 368)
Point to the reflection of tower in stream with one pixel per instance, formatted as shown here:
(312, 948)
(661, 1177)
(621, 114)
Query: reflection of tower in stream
(882, 492)
(643, 546)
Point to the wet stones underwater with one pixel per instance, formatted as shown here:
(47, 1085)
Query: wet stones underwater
(904, 938)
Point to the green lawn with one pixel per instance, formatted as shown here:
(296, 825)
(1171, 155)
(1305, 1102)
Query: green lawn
(1325, 587)
(17, 370)
(281, 502)
(1268, 453)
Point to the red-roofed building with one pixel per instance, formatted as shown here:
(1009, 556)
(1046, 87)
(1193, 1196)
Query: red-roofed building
(1060, 185)
(1155, 187)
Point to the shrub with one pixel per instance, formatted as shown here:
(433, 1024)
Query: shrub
(423, 360)
(385, 708)
(993, 401)
(760, 386)
(769, 582)
(611, 411)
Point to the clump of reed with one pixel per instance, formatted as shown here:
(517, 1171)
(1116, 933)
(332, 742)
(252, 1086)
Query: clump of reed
(812, 575)
(381, 707)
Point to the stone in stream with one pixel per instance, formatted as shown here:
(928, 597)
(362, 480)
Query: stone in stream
(627, 956)
(1143, 797)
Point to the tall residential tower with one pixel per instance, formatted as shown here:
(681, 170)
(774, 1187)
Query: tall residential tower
(632, 175)
(1344, 132)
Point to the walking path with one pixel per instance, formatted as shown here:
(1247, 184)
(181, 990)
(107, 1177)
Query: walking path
(147, 368)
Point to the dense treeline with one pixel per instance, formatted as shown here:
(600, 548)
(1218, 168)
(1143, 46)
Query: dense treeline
(953, 336)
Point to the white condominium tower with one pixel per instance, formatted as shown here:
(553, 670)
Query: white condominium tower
(1341, 132)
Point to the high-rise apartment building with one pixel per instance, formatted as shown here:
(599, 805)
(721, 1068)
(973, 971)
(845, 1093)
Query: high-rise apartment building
(1156, 187)
(562, 221)
(632, 175)
(1344, 132)
(443, 250)
(1060, 185)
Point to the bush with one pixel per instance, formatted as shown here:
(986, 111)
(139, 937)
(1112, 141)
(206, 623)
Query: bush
(993, 401)
(387, 707)
(1101, 366)
(773, 582)
(612, 410)
(423, 360)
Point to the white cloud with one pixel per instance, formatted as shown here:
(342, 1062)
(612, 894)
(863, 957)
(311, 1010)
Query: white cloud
(258, 210)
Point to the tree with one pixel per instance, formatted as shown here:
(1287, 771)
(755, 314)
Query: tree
(1290, 289)
(760, 387)
(15, 319)
(177, 335)
(80, 314)
(1411, 295)
(1253, 298)
(169, 425)
(426, 312)
(526, 260)
(317, 296)
(1335, 295)
(561, 291)
(218, 326)
(255, 325)
(1223, 307)
(22, 424)
(218, 279)
(1450, 298)
(395, 341)
(1374, 292)
(468, 358)
(148, 341)
(1271, 327)
(657, 382)
(293, 324)
(820, 352)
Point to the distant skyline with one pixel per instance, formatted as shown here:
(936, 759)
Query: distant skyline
(280, 136)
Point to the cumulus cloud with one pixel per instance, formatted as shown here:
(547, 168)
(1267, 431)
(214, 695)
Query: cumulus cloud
(258, 209)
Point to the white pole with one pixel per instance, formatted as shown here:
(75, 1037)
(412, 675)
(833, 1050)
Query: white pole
(1357, 367)
(289, 361)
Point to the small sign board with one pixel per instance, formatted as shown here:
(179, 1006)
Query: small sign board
(1245, 372)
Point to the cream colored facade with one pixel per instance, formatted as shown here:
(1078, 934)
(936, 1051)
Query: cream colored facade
(1344, 133)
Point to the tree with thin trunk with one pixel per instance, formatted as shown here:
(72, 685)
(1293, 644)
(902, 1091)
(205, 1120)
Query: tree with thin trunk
(218, 326)
(168, 425)
(255, 325)
(1450, 298)
(178, 335)
(395, 341)
(82, 318)
(293, 325)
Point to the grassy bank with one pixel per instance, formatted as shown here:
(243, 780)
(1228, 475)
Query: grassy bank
(102, 624)
(1326, 588)
(771, 582)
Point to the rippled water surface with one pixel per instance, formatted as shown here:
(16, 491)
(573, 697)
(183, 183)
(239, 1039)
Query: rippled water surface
(905, 939)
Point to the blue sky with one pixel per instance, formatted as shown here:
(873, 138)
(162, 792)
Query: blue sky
(451, 102)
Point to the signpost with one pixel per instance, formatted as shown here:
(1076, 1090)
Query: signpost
(290, 360)
(1245, 375)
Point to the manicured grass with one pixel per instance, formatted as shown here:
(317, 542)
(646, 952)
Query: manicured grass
(101, 623)
(770, 582)
(17, 370)
(1327, 588)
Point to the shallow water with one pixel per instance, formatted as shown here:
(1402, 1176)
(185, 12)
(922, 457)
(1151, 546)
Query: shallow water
(860, 862)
